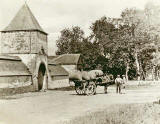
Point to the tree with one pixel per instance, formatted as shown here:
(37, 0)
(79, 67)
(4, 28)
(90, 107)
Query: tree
(141, 38)
(113, 43)
(73, 41)
(70, 41)
(153, 25)
(118, 43)
(102, 34)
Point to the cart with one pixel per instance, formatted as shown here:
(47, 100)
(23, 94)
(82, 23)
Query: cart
(88, 87)
(85, 87)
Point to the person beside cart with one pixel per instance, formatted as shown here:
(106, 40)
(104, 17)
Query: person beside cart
(118, 82)
(124, 84)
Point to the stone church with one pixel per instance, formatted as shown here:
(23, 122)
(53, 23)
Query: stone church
(24, 57)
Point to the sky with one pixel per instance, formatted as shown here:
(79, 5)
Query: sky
(55, 15)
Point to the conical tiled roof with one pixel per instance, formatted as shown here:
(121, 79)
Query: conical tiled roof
(23, 21)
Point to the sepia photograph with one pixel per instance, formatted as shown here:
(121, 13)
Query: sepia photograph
(79, 62)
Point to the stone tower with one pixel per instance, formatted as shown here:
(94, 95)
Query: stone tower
(25, 38)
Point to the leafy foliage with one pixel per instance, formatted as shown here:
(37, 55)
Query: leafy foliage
(119, 45)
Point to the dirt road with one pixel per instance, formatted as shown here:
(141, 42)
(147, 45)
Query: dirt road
(53, 107)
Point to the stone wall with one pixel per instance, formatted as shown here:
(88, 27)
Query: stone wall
(42, 42)
(33, 42)
(60, 77)
(18, 90)
(23, 42)
(63, 82)
(15, 81)
(15, 42)
(33, 62)
(29, 60)
(10, 85)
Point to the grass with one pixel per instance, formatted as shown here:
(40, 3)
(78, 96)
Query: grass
(132, 87)
(122, 114)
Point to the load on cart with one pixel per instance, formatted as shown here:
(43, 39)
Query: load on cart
(87, 82)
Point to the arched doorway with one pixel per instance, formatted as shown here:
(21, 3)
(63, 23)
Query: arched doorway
(41, 75)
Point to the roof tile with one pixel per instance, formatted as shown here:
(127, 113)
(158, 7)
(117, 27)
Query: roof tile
(65, 59)
(56, 70)
(23, 21)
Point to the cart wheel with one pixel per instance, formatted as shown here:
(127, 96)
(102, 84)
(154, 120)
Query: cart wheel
(91, 89)
(79, 89)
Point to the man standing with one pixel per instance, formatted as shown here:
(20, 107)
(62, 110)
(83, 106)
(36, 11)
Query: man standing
(124, 83)
(118, 82)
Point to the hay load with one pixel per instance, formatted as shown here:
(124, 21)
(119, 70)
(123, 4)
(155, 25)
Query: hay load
(92, 75)
(75, 75)
(96, 72)
(85, 75)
